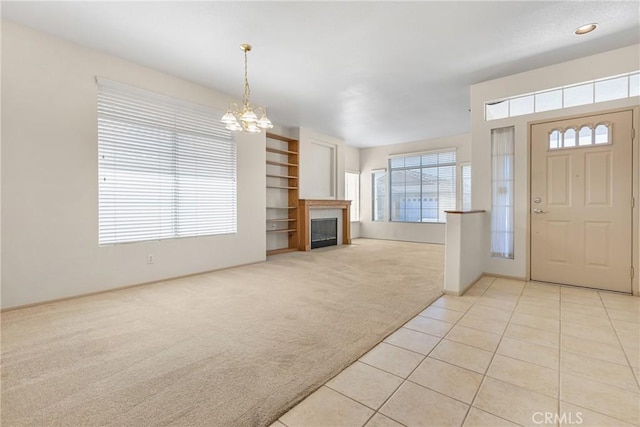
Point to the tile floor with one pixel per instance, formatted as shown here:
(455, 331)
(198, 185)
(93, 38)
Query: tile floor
(506, 353)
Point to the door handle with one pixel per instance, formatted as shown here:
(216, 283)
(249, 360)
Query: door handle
(539, 211)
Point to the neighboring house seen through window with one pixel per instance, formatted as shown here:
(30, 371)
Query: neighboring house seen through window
(422, 186)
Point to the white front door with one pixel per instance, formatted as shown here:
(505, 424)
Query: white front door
(581, 201)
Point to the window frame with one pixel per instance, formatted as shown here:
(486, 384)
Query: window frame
(503, 245)
(490, 107)
(355, 203)
(373, 195)
(438, 208)
(461, 186)
(167, 168)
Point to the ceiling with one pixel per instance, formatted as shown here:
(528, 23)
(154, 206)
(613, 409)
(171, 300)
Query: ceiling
(371, 73)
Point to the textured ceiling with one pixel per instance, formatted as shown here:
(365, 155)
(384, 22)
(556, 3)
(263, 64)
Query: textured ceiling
(371, 73)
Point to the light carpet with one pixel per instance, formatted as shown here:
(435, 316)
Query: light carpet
(236, 347)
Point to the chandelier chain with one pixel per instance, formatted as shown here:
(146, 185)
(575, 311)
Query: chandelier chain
(247, 89)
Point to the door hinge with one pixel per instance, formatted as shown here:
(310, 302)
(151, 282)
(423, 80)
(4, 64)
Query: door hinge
(633, 202)
(633, 134)
(633, 273)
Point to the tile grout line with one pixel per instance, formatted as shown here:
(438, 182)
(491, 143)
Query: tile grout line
(580, 376)
(359, 360)
(615, 331)
(485, 376)
(560, 353)
(405, 380)
(594, 411)
(402, 348)
(478, 303)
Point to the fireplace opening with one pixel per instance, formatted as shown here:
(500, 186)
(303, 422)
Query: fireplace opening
(324, 232)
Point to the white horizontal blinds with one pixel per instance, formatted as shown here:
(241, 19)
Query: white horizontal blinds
(465, 175)
(378, 194)
(502, 178)
(422, 186)
(167, 168)
(352, 192)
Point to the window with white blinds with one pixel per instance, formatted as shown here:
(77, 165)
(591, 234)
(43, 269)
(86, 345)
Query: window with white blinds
(465, 187)
(378, 194)
(422, 186)
(166, 167)
(352, 192)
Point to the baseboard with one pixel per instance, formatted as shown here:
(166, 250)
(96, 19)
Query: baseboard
(466, 288)
(119, 288)
(504, 276)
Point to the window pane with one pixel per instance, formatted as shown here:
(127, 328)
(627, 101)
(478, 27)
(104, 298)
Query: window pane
(602, 134)
(412, 195)
(430, 194)
(521, 106)
(430, 159)
(546, 101)
(569, 138)
(568, 96)
(612, 89)
(412, 161)
(502, 175)
(352, 192)
(578, 95)
(379, 198)
(497, 110)
(585, 136)
(421, 194)
(398, 197)
(447, 158)
(446, 191)
(554, 139)
(634, 85)
(167, 168)
(397, 162)
(466, 187)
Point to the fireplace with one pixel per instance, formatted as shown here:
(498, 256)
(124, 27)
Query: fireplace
(324, 232)
(309, 209)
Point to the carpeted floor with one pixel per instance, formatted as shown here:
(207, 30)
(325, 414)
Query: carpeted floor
(236, 347)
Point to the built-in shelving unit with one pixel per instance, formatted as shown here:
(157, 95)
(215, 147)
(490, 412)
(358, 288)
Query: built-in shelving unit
(282, 194)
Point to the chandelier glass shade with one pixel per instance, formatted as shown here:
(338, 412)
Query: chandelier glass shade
(247, 118)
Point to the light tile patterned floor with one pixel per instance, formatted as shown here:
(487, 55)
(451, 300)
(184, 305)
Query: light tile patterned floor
(506, 353)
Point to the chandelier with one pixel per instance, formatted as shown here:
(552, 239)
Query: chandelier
(246, 118)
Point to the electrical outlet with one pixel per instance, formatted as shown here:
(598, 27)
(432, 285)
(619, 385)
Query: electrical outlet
(150, 259)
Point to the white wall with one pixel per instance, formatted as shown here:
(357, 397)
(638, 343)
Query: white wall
(589, 68)
(316, 177)
(49, 177)
(378, 158)
(352, 164)
(462, 265)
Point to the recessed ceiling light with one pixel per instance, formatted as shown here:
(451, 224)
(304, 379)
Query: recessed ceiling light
(585, 29)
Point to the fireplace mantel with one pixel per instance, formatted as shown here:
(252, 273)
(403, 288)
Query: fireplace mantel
(304, 205)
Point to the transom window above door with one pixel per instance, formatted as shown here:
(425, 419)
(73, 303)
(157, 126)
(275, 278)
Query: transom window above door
(584, 136)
